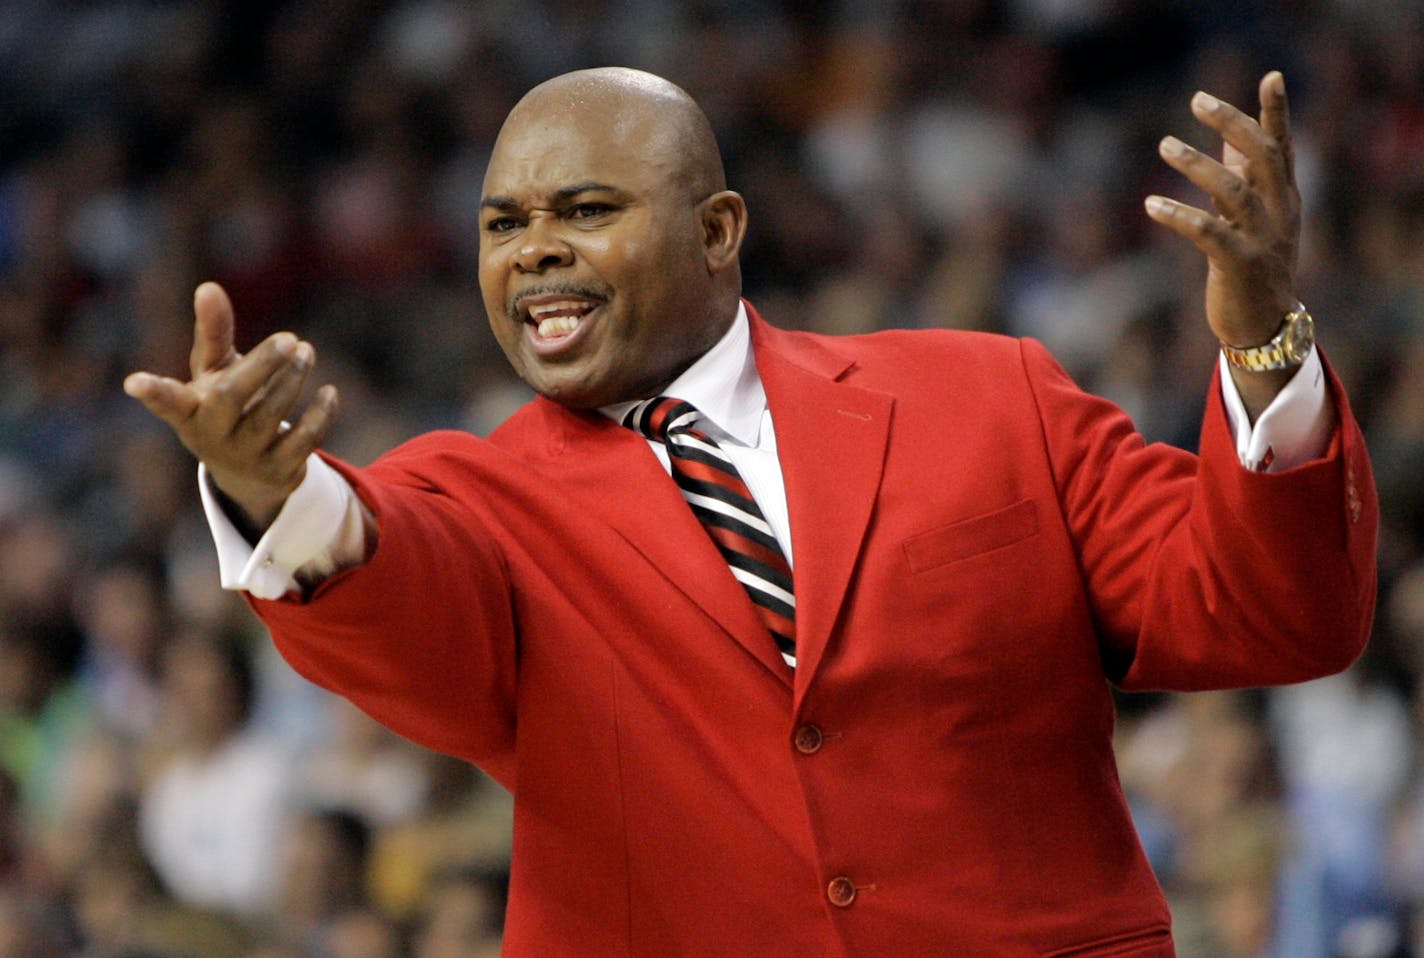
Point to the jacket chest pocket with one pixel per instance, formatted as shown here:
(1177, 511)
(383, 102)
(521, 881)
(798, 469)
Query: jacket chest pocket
(971, 537)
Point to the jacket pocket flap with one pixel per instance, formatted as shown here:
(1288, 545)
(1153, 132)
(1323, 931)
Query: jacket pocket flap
(970, 537)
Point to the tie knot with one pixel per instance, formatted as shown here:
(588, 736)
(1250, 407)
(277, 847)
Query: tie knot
(661, 416)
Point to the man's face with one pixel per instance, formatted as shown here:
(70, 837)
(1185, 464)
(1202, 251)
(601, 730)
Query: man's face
(592, 264)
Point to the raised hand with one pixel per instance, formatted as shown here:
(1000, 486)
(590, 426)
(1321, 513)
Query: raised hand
(233, 414)
(1251, 236)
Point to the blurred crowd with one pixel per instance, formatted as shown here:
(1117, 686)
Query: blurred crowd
(168, 787)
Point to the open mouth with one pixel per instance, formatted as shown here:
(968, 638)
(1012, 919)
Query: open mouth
(556, 320)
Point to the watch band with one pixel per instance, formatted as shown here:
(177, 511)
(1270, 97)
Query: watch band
(1286, 350)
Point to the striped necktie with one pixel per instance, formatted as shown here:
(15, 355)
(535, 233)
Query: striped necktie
(725, 507)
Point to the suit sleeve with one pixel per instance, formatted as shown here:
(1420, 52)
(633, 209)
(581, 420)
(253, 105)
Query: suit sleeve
(422, 635)
(1200, 573)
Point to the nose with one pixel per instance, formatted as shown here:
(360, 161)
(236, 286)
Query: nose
(541, 247)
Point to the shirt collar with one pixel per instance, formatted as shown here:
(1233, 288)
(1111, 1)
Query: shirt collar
(723, 384)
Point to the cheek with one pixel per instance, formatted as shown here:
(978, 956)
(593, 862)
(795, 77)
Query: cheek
(493, 279)
(608, 256)
(492, 274)
(646, 271)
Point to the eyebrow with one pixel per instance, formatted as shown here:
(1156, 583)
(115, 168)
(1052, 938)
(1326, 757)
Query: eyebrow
(560, 196)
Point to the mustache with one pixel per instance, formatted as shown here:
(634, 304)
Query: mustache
(555, 289)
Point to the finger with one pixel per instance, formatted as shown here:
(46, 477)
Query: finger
(168, 399)
(1211, 234)
(227, 397)
(1233, 196)
(264, 415)
(310, 431)
(213, 323)
(1234, 160)
(1264, 163)
(1275, 115)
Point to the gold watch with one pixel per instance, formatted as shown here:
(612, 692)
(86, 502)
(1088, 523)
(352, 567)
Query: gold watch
(1287, 350)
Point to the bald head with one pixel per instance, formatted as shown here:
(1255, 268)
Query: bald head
(640, 109)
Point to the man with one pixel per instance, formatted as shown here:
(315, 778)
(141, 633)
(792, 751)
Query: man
(922, 765)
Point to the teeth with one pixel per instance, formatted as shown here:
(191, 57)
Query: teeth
(538, 313)
(557, 325)
(559, 318)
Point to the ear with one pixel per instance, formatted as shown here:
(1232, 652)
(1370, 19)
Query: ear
(724, 225)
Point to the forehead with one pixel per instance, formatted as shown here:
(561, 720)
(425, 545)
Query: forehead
(543, 150)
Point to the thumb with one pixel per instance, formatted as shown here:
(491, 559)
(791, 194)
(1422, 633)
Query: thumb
(213, 323)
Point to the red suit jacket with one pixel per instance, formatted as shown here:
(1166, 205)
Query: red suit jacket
(980, 548)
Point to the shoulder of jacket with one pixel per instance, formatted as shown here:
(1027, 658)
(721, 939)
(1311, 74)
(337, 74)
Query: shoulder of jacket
(915, 354)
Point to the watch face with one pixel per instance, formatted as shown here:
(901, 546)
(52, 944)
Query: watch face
(1299, 338)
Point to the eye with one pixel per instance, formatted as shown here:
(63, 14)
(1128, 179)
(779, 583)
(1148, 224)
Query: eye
(501, 224)
(588, 211)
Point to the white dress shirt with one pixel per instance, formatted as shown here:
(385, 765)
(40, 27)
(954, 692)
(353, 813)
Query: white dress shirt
(323, 526)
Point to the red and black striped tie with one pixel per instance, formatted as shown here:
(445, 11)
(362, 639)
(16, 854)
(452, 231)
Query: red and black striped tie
(721, 501)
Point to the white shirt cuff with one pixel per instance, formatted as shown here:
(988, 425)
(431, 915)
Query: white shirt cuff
(310, 527)
(1294, 429)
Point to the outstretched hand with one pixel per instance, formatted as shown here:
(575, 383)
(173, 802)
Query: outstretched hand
(1252, 235)
(233, 413)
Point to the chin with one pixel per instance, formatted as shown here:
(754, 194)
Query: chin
(573, 401)
(567, 388)
(572, 395)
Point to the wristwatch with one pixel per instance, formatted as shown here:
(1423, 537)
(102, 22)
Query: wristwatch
(1286, 351)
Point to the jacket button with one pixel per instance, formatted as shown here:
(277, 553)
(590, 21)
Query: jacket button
(808, 739)
(840, 891)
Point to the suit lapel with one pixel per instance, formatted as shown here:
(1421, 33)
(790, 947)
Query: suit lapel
(831, 439)
(615, 475)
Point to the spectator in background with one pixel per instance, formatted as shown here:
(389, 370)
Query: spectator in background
(121, 614)
(216, 796)
(119, 906)
(460, 916)
(465, 824)
(1345, 753)
(42, 712)
(323, 874)
(362, 933)
(366, 768)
